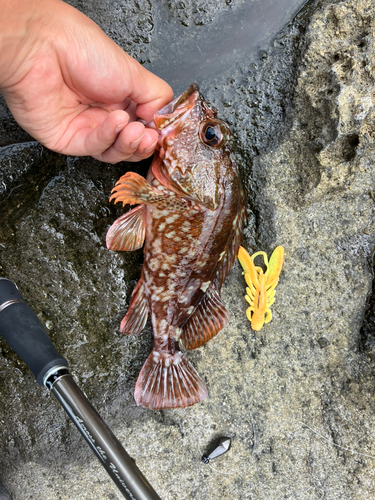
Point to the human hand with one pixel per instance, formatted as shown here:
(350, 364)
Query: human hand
(71, 87)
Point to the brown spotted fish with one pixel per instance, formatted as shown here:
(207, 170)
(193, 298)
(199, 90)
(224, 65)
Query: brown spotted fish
(189, 215)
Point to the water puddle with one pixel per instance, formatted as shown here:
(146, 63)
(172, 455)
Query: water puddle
(181, 55)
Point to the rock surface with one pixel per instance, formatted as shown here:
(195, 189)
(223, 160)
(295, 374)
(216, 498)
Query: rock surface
(298, 396)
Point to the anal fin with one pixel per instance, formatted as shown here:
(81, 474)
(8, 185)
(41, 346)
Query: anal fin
(136, 317)
(206, 321)
(127, 233)
(168, 381)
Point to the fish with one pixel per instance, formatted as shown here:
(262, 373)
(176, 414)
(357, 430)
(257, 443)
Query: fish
(189, 215)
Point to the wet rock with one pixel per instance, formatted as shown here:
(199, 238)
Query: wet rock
(297, 398)
(10, 132)
(130, 24)
(199, 12)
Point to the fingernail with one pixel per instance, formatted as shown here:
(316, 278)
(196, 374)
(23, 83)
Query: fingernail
(120, 127)
(151, 148)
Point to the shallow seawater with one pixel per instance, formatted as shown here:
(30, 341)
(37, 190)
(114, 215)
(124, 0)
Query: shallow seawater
(183, 54)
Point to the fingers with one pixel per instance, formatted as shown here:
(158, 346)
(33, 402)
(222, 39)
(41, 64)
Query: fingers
(109, 137)
(133, 143)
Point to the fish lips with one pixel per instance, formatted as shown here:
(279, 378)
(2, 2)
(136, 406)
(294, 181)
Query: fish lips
(175, 109)
(170, 108)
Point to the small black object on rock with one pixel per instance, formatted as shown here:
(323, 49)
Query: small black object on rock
(218, 447)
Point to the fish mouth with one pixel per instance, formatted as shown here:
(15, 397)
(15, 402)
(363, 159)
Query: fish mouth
(175, 109)
(170, 108)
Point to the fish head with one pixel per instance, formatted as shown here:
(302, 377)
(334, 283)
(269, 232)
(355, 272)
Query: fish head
(193, 147)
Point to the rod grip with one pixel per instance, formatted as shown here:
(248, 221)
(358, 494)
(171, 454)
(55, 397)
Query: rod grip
(25, 334)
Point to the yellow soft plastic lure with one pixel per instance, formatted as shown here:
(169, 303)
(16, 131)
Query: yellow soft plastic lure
(261, 286)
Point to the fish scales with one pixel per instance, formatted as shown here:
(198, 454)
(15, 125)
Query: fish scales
(190, 217)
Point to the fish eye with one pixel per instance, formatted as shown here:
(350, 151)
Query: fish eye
(214, 133)
(210, 134)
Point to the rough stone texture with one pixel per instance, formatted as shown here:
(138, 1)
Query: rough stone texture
(298, 396)
(199, 12)
(130, 24)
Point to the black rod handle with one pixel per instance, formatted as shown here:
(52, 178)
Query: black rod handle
(24, 333)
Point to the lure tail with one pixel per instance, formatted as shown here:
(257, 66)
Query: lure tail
(168, 381)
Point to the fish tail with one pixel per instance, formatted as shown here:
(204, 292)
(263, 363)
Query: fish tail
(168, 381)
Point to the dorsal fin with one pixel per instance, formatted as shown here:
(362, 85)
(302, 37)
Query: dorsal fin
(231, 252)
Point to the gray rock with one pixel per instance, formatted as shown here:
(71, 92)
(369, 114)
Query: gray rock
(4, 495)
(298, 396)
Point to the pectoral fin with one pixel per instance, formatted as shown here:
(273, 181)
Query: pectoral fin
(132, 189)
(127, 233)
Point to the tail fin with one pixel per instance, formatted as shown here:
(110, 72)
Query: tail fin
(168, 381)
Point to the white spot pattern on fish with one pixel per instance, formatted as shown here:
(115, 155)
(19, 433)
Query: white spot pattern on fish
(193, 218)
(205, 285)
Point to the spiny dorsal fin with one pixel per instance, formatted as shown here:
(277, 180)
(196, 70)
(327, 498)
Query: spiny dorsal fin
(206, 321)
(127, 233)
(230, 255)
(168, 381)
(136, 317)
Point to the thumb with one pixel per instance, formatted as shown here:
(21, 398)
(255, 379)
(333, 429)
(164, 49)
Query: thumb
(149, 92)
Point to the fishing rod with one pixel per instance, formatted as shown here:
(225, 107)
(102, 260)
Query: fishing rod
(25, 334)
